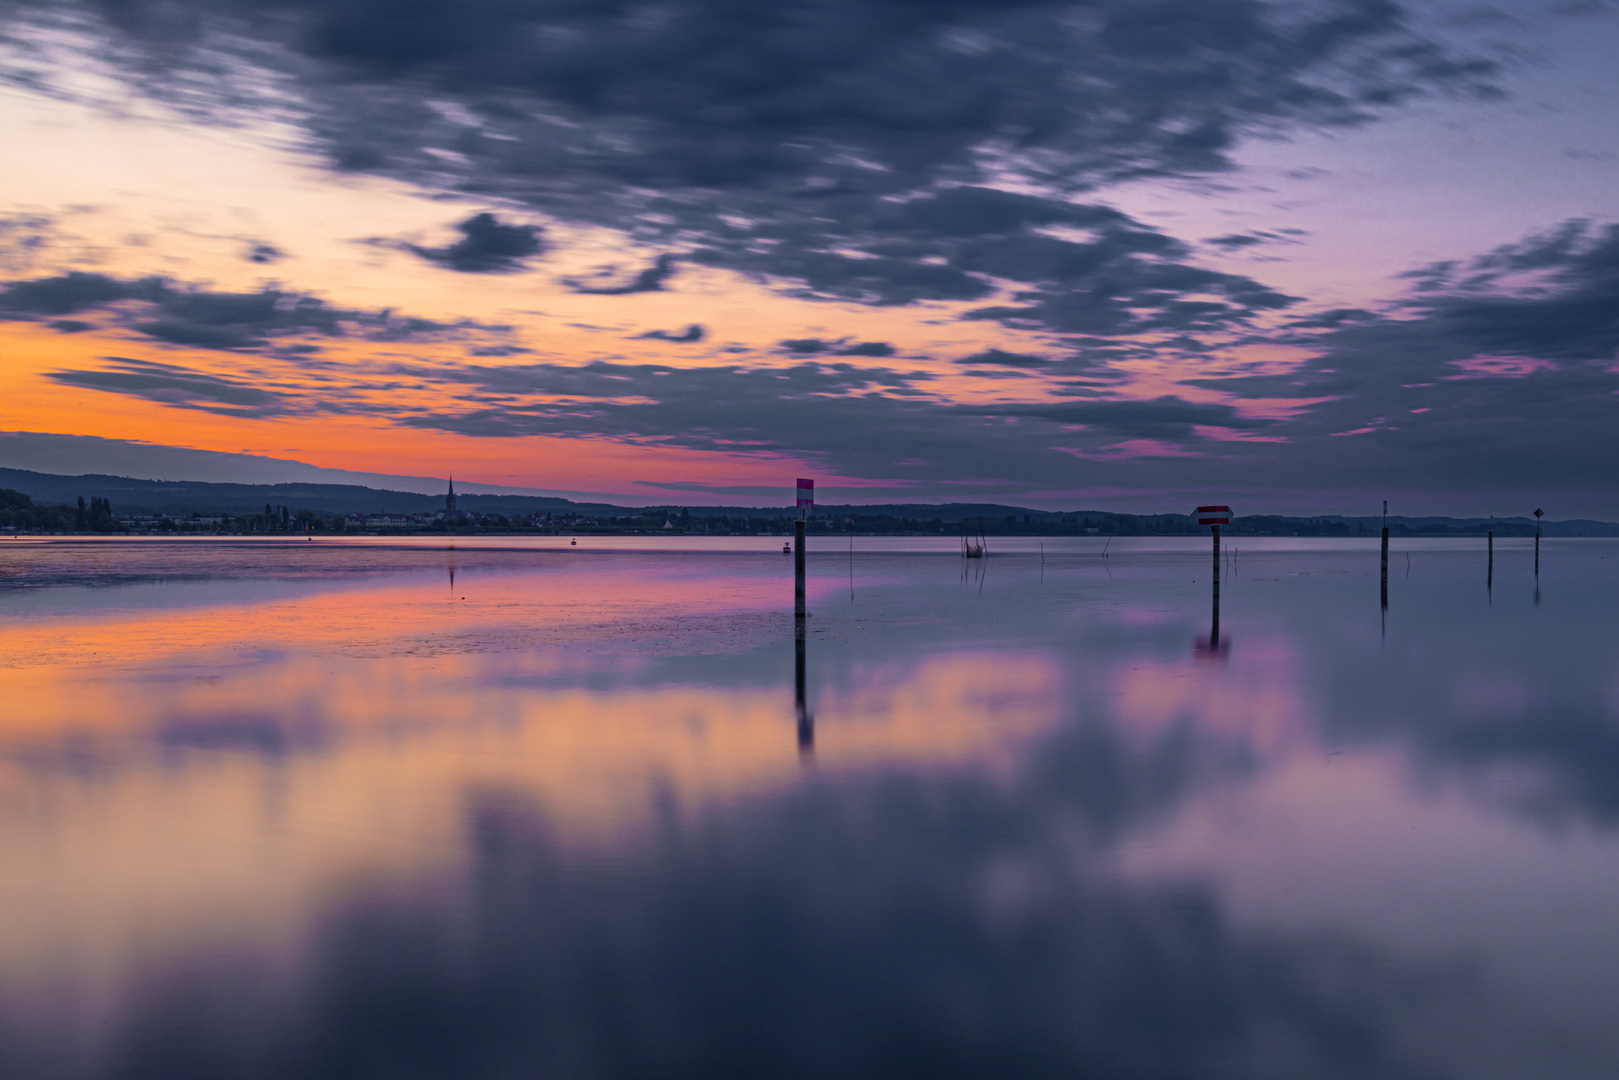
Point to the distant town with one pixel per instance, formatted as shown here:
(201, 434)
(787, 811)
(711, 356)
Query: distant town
(156, 508)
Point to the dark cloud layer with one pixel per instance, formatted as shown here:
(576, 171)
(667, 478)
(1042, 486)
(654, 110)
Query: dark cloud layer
(1501, 370)
(70, 293)
(1070, 268)
(691, 335)
(261, 252)
(841, 347)
(172, 385)
(856, 420)
(196, 317)
(1237, 241)
(1000, 358)
(649, 280)
(841, 148)
(1495, 372)
(1567, 312)
(487, 246)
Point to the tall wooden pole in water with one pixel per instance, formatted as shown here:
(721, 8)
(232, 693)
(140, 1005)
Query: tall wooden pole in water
(1538, 512)
(1385, 566)
(806, 726)
(798, 568)
(1385, 554)
(1215, 516)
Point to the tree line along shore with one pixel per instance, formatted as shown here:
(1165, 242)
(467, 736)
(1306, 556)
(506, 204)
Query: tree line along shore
(20, 513)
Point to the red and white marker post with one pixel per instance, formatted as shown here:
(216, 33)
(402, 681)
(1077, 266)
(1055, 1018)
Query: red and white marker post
(1215, 516)
(806, 503)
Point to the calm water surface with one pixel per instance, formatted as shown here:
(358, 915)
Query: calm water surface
(391, 809)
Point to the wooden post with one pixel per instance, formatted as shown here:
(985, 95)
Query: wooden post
(798, 568)
(1385, 567)
(1489, 571)
(1538, 513)
(1214, 516)
(806, 726)
(1537, 564)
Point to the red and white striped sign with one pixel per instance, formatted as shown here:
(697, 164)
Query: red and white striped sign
(1214, 515)
(806, 494)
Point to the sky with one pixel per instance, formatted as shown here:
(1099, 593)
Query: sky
(1116, 254)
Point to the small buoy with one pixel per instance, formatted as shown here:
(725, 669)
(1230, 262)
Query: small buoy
(786, 549)
(573, 543)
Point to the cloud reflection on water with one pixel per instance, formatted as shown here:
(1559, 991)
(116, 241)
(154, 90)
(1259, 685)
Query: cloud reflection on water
(891, 929)
(561, 826)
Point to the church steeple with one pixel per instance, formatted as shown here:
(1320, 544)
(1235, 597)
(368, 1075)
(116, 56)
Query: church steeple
(449, 499)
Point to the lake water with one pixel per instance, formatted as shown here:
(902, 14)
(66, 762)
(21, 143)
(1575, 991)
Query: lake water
(398, 809)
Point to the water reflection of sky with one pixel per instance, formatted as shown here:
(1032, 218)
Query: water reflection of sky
(330, 811)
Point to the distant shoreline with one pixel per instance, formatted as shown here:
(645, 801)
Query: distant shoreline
(119, 504)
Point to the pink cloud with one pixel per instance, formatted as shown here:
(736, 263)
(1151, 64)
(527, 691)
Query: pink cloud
(1133, 448)
(1224, 434)
(1499, 367)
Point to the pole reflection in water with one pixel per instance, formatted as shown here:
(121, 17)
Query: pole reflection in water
(798, 568)
(1537, 557)
(1214, 647)
(1383, 614)
(973, 572)
(806, 723)
(1385, 572)
(806, 720)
